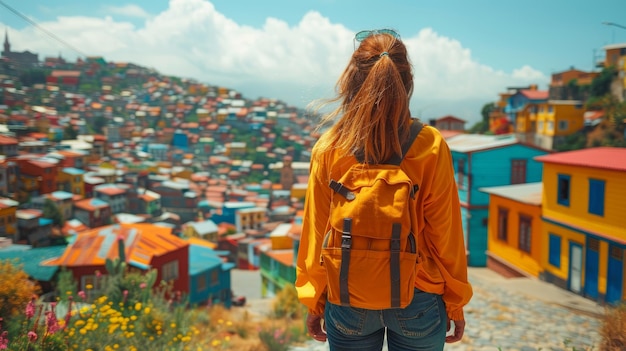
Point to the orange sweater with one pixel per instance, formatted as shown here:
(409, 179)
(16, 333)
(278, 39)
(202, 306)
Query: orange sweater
(443, 266)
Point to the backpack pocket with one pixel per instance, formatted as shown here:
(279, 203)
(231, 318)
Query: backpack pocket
(369, 281)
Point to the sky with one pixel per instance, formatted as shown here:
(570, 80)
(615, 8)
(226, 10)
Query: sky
(464, 52)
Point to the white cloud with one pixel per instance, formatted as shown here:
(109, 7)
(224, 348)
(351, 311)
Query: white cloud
(294, 63)
(129, 10)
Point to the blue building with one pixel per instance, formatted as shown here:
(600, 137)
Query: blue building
(209, 276)
(485, 161)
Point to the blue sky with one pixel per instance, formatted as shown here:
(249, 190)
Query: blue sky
(464, 52)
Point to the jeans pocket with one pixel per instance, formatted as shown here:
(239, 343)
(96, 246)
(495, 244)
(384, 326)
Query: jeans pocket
(422, 316)
(347, 320)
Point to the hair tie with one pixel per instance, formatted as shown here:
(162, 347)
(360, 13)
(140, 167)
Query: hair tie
(384, 53)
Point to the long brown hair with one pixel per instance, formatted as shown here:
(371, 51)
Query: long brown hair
(373, 92)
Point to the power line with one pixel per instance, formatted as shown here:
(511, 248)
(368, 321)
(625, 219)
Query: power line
(47, 32)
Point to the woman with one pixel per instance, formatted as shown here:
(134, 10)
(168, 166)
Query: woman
(372, 120)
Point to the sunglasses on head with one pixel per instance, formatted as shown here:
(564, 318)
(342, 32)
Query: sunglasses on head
(360, 36)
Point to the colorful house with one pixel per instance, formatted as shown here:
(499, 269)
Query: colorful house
(615, 56)
(484, 161)
(206, 230)
(8, 219)
(63, 200)
(520, 100)
(147, 246)
(93, 212)
(70, 179)
(449, 123)
(9, 178)
(8, 146)
(114, 195)
(584, 221)
(557, 119)
(45, 172)
(514, 241)
(209, 276)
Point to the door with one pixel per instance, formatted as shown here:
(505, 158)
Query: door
(591, 268)
(615, 277)
(575, 267)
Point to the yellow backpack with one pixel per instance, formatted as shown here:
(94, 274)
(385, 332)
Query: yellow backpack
(370, 252)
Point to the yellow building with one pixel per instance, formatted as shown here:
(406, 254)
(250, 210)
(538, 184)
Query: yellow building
(584, 223)
(556, 119)
(250, 218)
(71, 180)
(8, 220)
(281, 238)
(514, 241)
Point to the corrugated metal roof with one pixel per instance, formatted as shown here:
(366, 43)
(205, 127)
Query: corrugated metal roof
(142, 242)
(529, 193)
(201, 259)
(608, 158)
(479, 142)
(31, 259)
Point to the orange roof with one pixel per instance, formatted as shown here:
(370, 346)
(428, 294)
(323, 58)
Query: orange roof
(4, 140)
(61, 73)
(142, 243)
(535, 94)
(283, 256)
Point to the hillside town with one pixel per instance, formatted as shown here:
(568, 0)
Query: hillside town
(194, 180)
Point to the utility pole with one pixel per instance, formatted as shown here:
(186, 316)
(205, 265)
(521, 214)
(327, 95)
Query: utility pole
(614, 25)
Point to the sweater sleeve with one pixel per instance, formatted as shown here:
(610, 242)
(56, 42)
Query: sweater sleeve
(310, 275)
(444, 234)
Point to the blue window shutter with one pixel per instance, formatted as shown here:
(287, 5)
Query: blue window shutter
(596, 197)
(554, 257)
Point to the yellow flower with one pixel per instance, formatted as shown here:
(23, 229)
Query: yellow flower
(229, 323)
(227, 338)
(138, 306)
(89, 286)
(173, 325)
(83, 331)
(220, 321)
(215, 343)
(146, 310)
(133, 318)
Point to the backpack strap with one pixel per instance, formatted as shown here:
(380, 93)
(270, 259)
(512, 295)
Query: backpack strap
(416, 128)
(346, 244)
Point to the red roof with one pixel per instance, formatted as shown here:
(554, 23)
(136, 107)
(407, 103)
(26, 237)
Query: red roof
(4, 140)
(61, 73)
(535, 94)
(608, 158)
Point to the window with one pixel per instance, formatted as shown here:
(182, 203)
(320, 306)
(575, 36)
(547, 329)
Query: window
(518, 171)
(503, 223)
(525, 233)
(563, 186)
(554, 257)
(460, 171)
(170, 271)
(215, 278)
(563, 125)
(201, 286)
(540, 128)
(550, 109)
(616, 253)
(93, 284)
(596, 197)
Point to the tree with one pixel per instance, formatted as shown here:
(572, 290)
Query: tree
(601, 85)
(16, 289)
(69, 133)
(483, 125)
(51, 210)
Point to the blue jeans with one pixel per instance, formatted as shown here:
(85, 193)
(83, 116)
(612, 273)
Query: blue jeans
(422, 325)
